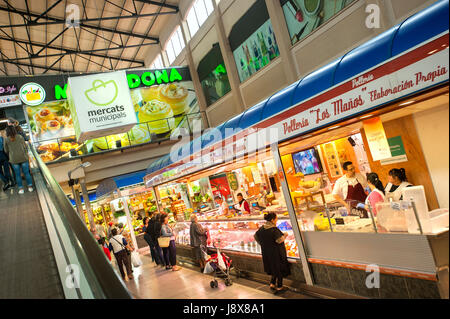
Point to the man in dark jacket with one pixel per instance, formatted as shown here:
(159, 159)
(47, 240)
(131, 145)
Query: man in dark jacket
(198, 240)
(154, 228)
(151, 232)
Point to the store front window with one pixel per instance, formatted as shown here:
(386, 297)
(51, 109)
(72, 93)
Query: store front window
(213, 195)
(253, 41)
(305, 16)
(213, 75)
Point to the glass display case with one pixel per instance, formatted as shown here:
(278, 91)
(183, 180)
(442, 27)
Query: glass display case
(237, 234)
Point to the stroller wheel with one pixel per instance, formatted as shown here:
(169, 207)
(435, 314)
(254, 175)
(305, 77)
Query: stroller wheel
(228, 282)
(214, 284)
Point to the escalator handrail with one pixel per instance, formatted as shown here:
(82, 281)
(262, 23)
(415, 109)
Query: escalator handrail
(111, 286)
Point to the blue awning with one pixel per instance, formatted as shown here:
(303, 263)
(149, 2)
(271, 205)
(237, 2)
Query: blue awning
(130, 179)
(414, 30)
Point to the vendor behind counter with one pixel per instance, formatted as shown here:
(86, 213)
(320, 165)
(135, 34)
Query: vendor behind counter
(349, 189)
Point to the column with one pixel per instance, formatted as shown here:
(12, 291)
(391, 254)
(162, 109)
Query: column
(78, 205)
(87, 203)
(230, 64)
(283, 40)
(292, 216)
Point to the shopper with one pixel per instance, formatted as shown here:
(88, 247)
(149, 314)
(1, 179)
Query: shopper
(127, 236)
(16, 149)
(170, 253)
(100, 230)
(273, 251)
(102, 243)
(14, 123)
(349, 189)
(397, 182)
(110, 228)
(147, 236)
(154, 230)
(5, 174)
(119, 245)
(199, 236)
(377, 192)
(243, 206)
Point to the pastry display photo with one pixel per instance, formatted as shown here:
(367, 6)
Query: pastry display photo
(50, 120)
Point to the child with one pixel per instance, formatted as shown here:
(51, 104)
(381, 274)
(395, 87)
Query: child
(377, 192)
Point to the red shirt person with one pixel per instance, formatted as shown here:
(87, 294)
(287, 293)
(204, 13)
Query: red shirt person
(243, 206)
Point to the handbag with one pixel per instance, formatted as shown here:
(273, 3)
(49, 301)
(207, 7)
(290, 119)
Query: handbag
(126, 249)
(163, 242)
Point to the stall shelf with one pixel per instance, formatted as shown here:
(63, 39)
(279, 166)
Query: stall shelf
(405, 65)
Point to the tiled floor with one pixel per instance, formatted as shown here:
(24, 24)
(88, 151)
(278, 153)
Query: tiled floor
(152, 282)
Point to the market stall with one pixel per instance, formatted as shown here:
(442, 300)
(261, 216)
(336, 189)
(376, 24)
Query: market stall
(371, 108)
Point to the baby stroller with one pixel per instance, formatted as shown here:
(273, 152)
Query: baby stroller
(220, 264)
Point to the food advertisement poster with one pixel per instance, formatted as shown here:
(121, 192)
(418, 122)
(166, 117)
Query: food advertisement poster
(219, 184)
(213, 75)
(305, 16)
(376, 138)
(256, 52)
(164, 101)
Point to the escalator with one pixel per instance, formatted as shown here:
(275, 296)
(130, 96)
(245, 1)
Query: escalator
(46, 251)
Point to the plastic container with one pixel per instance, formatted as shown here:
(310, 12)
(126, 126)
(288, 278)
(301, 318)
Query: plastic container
(439, 220)
(417, 194)
(392, 220)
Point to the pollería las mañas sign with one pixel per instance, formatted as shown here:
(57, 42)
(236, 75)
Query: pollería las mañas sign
(100, 105)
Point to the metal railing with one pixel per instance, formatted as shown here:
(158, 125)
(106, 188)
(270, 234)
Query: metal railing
(84, 270)
(156, 131)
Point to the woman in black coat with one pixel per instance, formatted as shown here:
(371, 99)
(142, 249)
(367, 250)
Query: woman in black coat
(273, 251)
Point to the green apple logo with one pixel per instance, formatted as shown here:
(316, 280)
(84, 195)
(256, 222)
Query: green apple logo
(102, 93)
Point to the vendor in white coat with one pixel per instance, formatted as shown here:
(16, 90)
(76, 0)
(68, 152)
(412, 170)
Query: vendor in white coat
(350, 187)
(397, 182)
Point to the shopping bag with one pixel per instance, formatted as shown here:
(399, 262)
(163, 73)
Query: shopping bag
(136, 259)
(204, 253)
(208, 268)
(221, 262)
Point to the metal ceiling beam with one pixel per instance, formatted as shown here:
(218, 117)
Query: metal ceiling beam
(78, 53)
(96, 32)
(39, 66)
(149, 29)
(70, 50)
(164, 5)
(53, 20)
(44, 67)
(46, 11)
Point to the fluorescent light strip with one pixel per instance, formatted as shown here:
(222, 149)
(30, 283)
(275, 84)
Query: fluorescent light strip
(406, 103)
(332, 128)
